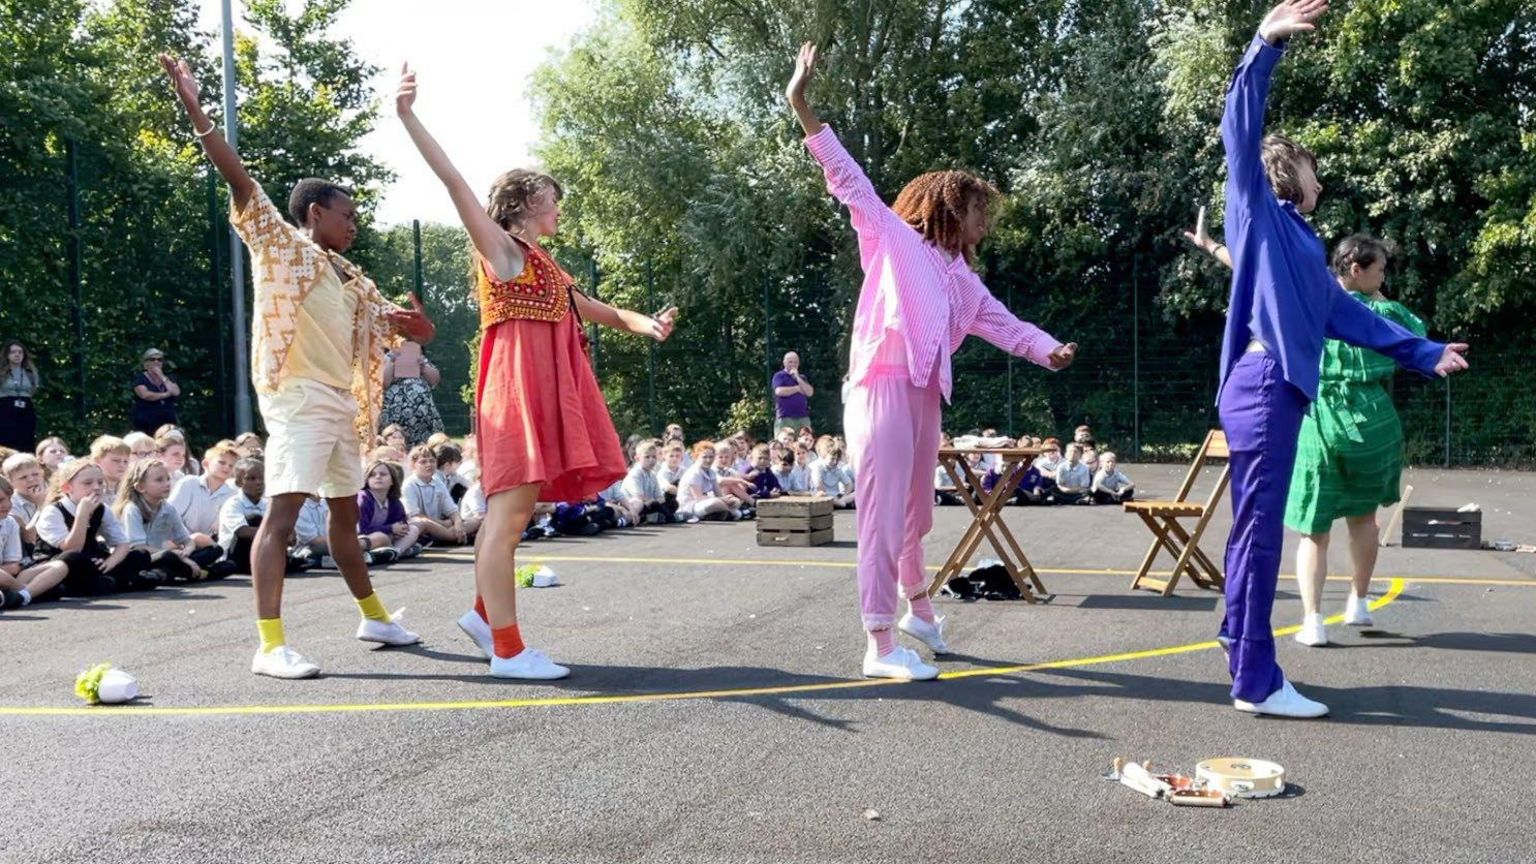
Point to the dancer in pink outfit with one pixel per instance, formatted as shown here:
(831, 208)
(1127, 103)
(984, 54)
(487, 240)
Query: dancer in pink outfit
(919, 301)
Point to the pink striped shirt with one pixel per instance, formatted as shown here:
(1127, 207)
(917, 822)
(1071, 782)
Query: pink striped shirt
(913, 292)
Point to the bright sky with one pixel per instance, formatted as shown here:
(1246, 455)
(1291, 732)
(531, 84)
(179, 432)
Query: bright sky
(473, 59)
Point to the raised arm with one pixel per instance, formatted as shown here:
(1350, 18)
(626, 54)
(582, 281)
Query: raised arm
(1242, 122)
(1352, 321)
(1202, 240)
(223, 156)
(490, 240)
(805, 69)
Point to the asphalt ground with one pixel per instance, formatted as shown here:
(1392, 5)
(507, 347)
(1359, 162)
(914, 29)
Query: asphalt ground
(714, 713)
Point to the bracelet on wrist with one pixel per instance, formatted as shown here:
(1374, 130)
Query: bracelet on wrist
(212, 127)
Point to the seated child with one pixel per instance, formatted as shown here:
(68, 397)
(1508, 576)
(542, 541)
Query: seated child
(1073, 480)
(155, 527)
(449, 460)
(1109, 485)
(140, 447)
(428, 503)
(1091, 458)
(76, 527)
(241, 515)
(792, 479)
(25, 474)
(383, 526)
(699, 495)
(473, 507)
(672, 466)
(830, 478)
(172, 450)
(730, 481)
(111, 454)
(199, 499)
(764, 482)
(1045, 465)
(643, 486)
(21, 584)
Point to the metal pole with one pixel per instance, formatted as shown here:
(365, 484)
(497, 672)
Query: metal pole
(243, 422)
(767, 334)
(650, 303)
(1011, 429)
(597, 354)
(1136, 355)
(216, 258)
(77, 314)
(1447, 421)
(416, 239)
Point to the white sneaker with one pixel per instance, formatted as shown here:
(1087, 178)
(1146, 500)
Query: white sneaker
(902, 663)
(1285, 702)
(386, 632)
(1312, 633)
(931, 635)
(530, 664)
(283, 662)
(479, 631)
(1357, 611)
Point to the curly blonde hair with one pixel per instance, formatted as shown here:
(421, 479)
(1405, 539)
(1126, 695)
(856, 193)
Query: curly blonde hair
(935, 205)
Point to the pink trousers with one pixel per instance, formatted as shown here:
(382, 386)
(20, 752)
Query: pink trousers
(893, 439)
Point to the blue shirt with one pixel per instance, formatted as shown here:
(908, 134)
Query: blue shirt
(1282, 291)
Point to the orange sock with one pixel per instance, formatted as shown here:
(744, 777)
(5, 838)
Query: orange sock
(480, 609)
(509, 641)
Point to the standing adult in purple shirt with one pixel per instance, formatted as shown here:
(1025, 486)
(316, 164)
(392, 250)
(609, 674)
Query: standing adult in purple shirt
(791, 395)
(1284, 303)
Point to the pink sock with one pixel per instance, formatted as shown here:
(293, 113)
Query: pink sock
(922, 607)
(883, 641)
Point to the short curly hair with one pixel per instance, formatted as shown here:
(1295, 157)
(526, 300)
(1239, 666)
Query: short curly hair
(1282, 158)
(935, 205)
(507, 204)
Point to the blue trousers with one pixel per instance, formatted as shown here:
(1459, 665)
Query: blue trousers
(1261, 413)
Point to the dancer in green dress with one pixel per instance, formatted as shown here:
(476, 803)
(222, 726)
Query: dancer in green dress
(1349, 458)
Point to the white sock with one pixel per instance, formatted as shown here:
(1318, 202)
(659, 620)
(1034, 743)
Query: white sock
(26, 596)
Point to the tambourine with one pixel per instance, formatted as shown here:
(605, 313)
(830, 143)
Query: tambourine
(1243, 778)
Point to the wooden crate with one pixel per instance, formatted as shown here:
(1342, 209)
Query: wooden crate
(794, 538)
(801, 506)
(1442, 528)
(794, 521)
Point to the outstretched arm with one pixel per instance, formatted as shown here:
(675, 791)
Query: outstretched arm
(1203, 241)
(1354, 322)
(490, 240)
(223, 156)
(658, 327)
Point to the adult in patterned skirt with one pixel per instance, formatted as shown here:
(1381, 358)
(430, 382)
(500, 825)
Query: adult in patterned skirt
(1349, 457)
(409, 379)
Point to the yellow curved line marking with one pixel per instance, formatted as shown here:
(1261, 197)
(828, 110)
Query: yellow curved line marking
(934, 568)
(1393, 591)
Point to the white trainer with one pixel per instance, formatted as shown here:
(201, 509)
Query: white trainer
(902, 664)
(283, 662)
(931, 635)
(1357, 611)
(386, 632)
(1312, 633)
(530, 665)
(479, 631)
(1285, 702)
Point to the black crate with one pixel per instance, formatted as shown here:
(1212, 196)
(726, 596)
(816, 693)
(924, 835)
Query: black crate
(1441, 528)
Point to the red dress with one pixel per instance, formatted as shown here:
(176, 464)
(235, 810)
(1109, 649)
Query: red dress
(541, 415)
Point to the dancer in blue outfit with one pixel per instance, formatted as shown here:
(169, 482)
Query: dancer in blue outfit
(1284, 303)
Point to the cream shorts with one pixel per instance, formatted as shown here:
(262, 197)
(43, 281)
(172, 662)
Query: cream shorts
(312, 444)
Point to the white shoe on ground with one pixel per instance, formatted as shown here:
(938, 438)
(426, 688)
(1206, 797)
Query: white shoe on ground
(283, 662)
(1285, 702)
(479, 631)
(931, 635)
(902, 663)
(1312, 633)
(386, 632)
(530, 665)
(1357, 611)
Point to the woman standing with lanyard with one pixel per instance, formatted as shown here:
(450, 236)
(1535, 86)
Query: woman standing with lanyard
(18, 413)
(1349, 458)
(154, 395)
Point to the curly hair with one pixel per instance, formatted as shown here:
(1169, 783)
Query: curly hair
(935, 205)
(1282, 159)
(507, 205)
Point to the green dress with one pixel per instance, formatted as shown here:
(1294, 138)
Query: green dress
(1349, 459)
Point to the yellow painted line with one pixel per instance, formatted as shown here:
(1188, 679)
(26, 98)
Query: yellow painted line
(934, 568)
(1393, 592)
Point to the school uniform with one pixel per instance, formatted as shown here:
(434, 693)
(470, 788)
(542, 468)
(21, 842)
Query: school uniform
(240, 512)
(85, 579)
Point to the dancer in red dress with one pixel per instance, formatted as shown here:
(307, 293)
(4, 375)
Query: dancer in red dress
(544, 432)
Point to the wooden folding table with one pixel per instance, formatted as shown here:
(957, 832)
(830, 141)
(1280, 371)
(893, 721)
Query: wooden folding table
(986, 515)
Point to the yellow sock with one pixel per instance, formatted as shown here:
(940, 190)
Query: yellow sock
(271, 630)
(372, 607)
